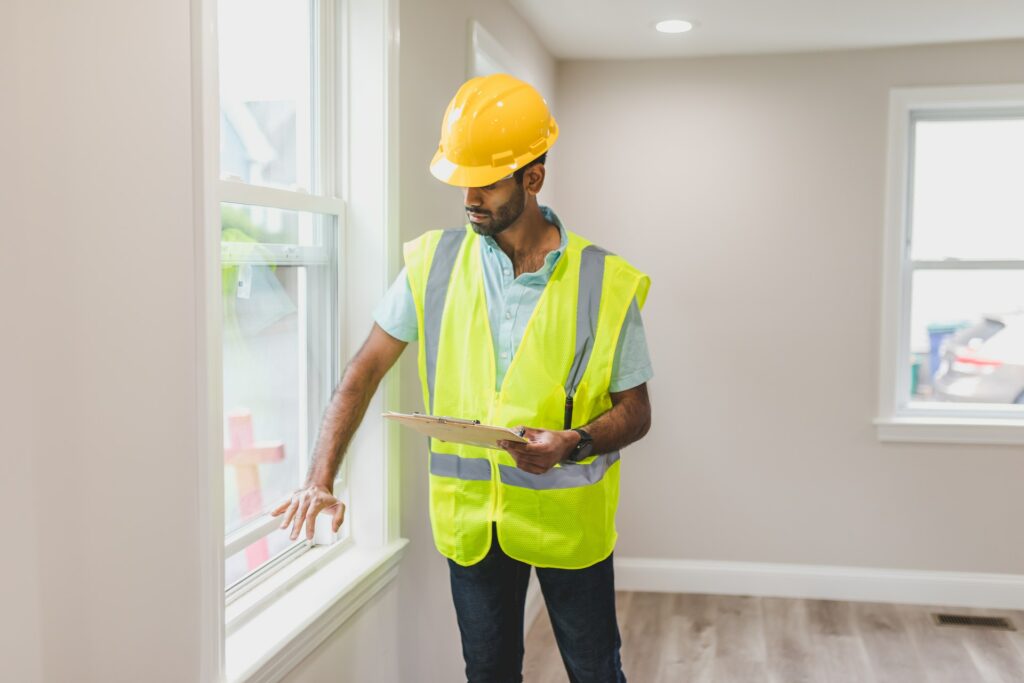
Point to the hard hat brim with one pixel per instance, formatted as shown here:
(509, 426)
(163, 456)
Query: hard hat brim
(479, 176)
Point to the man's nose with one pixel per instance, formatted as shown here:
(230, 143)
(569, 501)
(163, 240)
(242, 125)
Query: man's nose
(471, 196)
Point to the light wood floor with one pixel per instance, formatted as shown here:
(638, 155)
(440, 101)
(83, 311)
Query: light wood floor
(689, 638)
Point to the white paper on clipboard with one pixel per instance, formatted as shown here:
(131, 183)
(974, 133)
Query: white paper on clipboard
(456, 430)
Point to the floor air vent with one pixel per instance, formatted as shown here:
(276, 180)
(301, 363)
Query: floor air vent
(976, 622)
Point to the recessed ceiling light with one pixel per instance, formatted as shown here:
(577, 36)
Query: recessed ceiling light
(673, 26)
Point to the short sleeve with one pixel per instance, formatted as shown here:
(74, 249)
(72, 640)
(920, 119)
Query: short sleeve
(631, 365)
(396, 312)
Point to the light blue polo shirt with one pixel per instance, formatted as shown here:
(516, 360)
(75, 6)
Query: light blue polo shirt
(510, 302)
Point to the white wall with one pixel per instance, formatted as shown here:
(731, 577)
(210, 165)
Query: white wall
(101, 496)
(752, 191)
(365, 648)
(100, 576)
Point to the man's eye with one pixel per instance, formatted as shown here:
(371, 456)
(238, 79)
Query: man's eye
(490, 187)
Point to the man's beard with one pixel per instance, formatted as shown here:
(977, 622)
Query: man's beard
(506, 214)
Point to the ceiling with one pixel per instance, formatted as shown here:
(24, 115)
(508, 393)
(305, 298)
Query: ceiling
(624, 29)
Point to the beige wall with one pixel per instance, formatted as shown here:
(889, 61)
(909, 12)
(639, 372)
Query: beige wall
(20, 632)
(100, 579)
(364, 648)
(752, 191)
(101, 547)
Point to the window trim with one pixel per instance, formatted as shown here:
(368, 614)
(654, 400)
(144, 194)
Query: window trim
(900, 419)
(279, 636)
(304, 602)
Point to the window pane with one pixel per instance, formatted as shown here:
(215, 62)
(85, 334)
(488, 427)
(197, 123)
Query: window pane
(967, 198)
(279, 353)
(967, 336)
(266, 92)
(246, 224)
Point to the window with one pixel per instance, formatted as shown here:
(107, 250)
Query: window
(279, 355)
(280, 230)
(293, 252)
(953, 333)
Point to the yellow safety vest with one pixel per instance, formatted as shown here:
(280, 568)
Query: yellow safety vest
(565, 517)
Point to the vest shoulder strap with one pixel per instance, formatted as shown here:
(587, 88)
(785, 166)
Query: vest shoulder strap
(622, 273)
(429, 262)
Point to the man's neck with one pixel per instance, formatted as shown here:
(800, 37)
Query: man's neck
(530, 235)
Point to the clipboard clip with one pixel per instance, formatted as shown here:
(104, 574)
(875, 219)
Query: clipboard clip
(456, 420)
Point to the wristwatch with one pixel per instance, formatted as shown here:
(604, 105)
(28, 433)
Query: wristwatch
(584, 448)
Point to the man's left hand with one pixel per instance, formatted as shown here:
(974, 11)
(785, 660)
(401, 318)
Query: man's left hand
(543, 450)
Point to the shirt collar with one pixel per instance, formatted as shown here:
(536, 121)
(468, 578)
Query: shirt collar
(550, 217)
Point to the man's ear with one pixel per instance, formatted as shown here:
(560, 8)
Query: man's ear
(533, 179)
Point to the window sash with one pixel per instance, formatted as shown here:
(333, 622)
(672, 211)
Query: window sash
(249, 533)
(907, 107)
(257, 576)
(318, 385)
(239, 192)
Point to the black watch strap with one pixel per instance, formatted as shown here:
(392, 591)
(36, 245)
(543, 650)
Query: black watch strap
(584, 447)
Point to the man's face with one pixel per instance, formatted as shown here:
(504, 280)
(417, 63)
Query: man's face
(495, 207)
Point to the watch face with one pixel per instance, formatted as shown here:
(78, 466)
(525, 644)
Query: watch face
(582, 453)
(584, 447)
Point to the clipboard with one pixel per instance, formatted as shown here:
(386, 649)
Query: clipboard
(456, 430)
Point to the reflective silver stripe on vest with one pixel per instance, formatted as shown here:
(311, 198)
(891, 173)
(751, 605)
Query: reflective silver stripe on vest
(568, 476)
(587, 307)
(450, 465)
(433, 307)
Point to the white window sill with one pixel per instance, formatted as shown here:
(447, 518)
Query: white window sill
(297, 608)
(962, 430)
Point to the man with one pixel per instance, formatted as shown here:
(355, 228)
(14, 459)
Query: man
(523, 324)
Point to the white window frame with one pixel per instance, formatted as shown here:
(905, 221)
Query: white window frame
(899, 418)
(270, 628)
(325, 200)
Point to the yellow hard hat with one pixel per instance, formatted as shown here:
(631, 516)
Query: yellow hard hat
(493, 126)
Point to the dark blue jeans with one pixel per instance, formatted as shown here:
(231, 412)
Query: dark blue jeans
(490, 597)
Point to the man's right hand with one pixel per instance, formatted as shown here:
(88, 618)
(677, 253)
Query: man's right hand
(304, 506)
(348, 404)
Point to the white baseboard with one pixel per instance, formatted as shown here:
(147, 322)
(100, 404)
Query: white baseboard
(959, 589)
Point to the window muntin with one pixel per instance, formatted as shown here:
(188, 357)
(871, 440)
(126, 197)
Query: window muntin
(965, 265)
